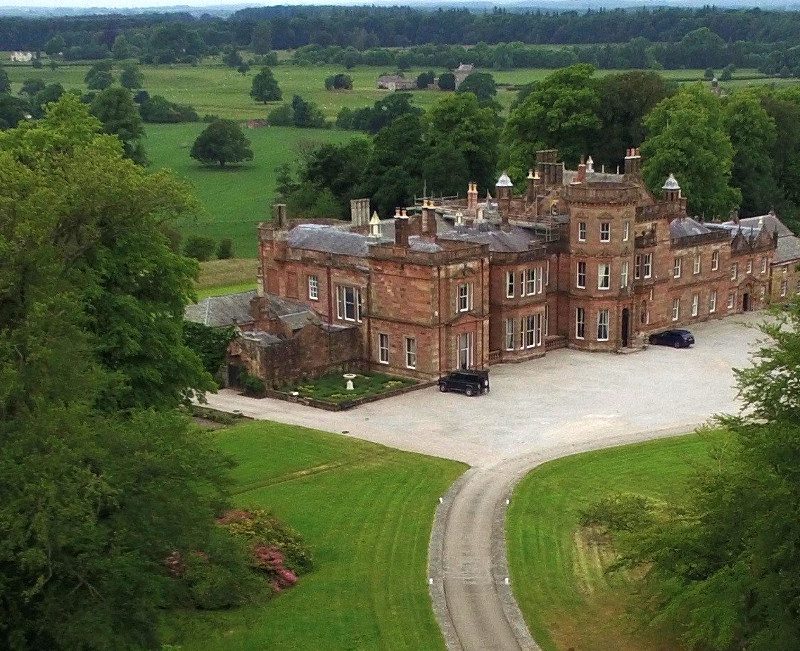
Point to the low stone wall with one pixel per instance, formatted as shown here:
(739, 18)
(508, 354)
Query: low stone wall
(349, 404)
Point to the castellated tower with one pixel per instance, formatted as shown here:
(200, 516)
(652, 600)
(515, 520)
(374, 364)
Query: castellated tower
(601, 264)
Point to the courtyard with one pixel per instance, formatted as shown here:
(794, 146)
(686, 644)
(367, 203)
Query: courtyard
(568, 398)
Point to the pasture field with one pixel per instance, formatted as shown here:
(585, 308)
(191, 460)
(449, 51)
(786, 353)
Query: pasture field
(236, 198)
(558, 568)
(219, 277)
(213, 89)
(366, 511)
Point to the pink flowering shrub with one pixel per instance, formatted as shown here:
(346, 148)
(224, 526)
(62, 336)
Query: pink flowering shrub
(275, 549)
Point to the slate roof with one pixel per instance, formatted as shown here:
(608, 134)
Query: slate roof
(513, 240)
(593, 177)
(771, 223)
(332, 239)
(686, 227)
(788, 248)
(220, 311)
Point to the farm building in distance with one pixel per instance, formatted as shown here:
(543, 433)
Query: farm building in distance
(581, 259)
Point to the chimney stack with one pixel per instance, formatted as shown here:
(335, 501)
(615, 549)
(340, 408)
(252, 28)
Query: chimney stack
(428, 218)
(279, 217)
(581, 178)
(472, 196)
(633, 163)
(533, 185)
(359, 212)
(401, 228)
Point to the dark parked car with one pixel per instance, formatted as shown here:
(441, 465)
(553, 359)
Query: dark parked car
(674, 338)
(471, 383)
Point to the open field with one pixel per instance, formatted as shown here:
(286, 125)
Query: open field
(366, 511)
(238, 197)
(218, 90)
(557, 570)
(218, 277)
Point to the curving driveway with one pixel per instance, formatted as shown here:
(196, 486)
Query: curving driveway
(567, 402)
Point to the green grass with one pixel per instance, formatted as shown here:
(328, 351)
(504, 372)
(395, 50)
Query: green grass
(366, 511)
(219, 277)
(557, 571)
(331, 387)
(236, 198)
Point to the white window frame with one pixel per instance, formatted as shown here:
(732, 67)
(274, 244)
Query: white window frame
(677, 267)
(510, 334)
(763, 264)
(714, 260)
(547, 273)
(383, 348)
(580, 323)
(531, 278)
(784, 287)
(763, 291)
(342, 303)
(626, 231)
(546, 319)
(511, 280)
(712, 301)
(695, 304)
(313, 287)
(603, 322)
(734, 270)
(750, 266)
(581, 265)
(529, 336)
(637, 267)
(623, 275)
(696, 269)
(731, 300)
(581, 231)
(411, 352)
(647, 262)
(605, 231)
(604, 276)
(465, 297)
(676, 309)
(464, 344)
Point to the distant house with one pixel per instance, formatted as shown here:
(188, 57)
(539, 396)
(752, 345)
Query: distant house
(396, 82)
(21, 57)
(462, 72)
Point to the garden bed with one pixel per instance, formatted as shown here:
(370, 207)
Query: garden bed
(330, 391)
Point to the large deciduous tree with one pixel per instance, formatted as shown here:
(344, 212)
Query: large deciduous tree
(558, 112)
(265, 87)
(115, 108)
(481, 84)
(100, 479)
(5, 82)
(686, 136)
(753, 134)
(222, 142)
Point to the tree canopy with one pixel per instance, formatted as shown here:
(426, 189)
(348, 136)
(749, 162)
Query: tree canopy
(265, 87)
(222, 142)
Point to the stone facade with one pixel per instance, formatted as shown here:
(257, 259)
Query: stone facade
(584, 259)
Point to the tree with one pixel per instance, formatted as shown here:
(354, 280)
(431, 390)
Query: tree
(55, 46)
(481, 84)
(261, 41)
(447, 81)
(121, 49)
(99, 76)
(225, 249)
(265, 87)
(231, 57)
(200, 248)
(687, 137)
(783, 106)
(306, 114)
(625, 99)
(425, 79)
(31, 87)
(5, 82)
(471, 133)
(48, 94)
(339, 81)
(12, 111)
(115, 109)
(100, 479)
(753, 135)
(131, 76)
(709, 74)
(722, 567)
(222, 142)
(727, 72)
(558, 112)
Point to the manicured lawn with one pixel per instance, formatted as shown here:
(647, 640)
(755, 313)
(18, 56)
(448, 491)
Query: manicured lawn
(332, 387)
(557, 570)
(234, 199)
(366, 511)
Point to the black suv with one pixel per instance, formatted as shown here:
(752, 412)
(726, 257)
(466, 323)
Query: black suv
(471, 383)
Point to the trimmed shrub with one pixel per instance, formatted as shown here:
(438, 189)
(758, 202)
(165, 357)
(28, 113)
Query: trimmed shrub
(198, 247)
(251, 385)
(225, 249)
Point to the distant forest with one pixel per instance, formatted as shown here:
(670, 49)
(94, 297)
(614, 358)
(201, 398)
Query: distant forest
(642, 38)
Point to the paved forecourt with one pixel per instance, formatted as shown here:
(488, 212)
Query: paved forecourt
(567, 402)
